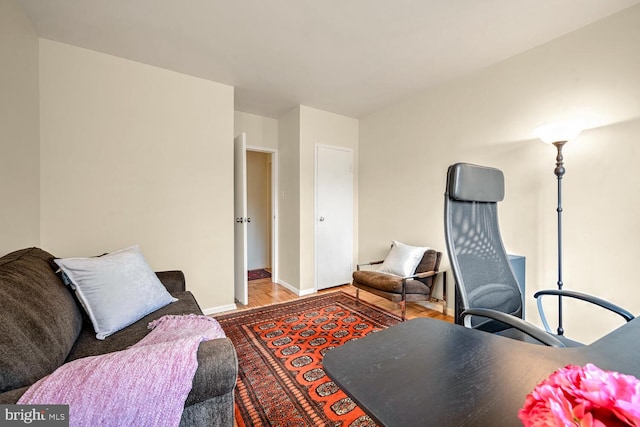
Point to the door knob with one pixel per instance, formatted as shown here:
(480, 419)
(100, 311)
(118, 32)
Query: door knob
(239, 220)
(321, 218)
(248, 219)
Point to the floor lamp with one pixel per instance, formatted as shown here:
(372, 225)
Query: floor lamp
(559, 134)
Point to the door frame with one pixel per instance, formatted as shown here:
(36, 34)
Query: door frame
(274, 205)
(315, 208)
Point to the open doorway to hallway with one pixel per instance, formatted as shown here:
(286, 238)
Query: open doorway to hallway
(261, 215)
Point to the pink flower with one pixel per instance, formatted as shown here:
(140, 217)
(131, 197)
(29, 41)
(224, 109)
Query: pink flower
(583, 396)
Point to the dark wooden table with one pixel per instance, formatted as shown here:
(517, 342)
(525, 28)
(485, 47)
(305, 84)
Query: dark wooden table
(427, 372)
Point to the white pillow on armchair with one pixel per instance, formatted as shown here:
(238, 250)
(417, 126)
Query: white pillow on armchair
(402, 259)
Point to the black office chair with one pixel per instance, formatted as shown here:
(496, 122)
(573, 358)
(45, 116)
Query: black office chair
(486, 287)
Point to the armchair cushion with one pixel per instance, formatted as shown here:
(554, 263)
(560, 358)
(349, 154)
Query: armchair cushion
(389, 283)
(430, 261)
(402, 259)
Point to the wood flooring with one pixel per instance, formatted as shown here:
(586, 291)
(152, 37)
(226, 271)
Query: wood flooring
(265, 292)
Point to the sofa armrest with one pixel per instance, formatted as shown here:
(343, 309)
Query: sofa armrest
(217, 371)
(174, 280)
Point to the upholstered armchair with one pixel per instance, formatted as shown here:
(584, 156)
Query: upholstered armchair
(399, 279)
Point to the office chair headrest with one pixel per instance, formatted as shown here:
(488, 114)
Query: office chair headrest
(473, 183)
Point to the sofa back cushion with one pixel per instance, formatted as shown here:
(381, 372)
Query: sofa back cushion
(39, 319)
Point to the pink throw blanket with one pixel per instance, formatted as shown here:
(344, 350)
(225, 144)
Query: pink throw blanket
(144, 385)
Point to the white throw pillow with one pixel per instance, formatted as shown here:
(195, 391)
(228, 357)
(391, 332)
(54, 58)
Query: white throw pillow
(116, 289)
(402, 259)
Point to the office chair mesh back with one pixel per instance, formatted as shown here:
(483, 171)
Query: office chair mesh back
(480, 264)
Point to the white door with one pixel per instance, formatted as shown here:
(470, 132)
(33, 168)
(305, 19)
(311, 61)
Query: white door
(240, 214)
(334, 216)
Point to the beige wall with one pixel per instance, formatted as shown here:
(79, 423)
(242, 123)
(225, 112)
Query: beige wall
(136, 154)
(289, 199)
(261, 131)
(324, 128)
(19, 130)
(487, 119)
(299, 131)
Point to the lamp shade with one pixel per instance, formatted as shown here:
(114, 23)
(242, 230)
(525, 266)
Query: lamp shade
(561, 131)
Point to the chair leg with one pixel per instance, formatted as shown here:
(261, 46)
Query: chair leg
(358, 295)
(403, 302)
(444, 293)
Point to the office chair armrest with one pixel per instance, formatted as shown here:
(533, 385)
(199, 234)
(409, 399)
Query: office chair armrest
(581, 296)
(517, 323)
(368, 263)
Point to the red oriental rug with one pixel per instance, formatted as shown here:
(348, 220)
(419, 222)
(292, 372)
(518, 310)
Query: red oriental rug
(280, 349)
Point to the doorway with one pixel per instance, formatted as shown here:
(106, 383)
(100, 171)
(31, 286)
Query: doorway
(259, 212)
(256, 214)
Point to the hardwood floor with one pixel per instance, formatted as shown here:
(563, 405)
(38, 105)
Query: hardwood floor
(264, 292)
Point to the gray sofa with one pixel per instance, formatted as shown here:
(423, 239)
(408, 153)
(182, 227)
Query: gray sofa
(42, 327)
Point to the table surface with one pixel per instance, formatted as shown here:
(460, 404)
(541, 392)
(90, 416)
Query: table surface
(430, 372)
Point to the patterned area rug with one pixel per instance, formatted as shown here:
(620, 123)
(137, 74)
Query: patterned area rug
(260, 273)
(280, 350)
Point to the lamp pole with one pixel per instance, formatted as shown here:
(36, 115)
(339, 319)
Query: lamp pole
(559, 172)
(558, 134)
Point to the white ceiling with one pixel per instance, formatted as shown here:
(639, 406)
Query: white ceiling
(350, 57)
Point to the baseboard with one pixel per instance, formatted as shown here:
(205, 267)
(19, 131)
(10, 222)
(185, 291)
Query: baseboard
(435, 306)
(307, 292)
(219, 309)
(288, 286)
(300, 293)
